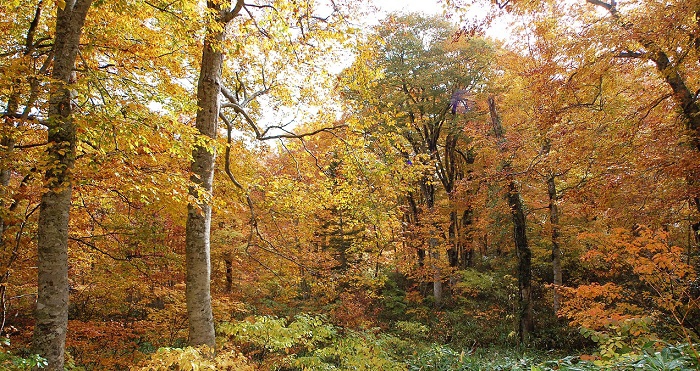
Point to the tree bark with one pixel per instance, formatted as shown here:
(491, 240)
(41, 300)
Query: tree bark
(197, 239)
(453, 237)
(198, 227)
(556, 251)
(437, 272)
(524, 255)
(428, 190)
(52, 292)
(8, 143)
(522, 249)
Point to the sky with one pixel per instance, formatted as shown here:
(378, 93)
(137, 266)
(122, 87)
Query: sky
(497, 30)
(422, 6)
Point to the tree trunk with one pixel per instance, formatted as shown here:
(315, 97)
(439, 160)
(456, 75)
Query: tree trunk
(5, 172)
(52, 235)
(198, 227)
(522, 248)
(437, 273)
(524, 262)
(412, 219)
(556, 251)
(197, 238)
(466, 254)
(428, 190)
(8, 143)
(453, 237)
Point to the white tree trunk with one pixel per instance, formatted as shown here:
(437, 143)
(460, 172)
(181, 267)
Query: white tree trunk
(201, 321)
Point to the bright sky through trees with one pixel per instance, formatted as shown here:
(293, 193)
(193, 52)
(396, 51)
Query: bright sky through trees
(426, 7)
(497, 30)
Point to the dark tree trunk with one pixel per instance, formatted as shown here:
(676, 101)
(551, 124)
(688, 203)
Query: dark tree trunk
(522, 249)
(455, 248)
(466, 254)
(52, 235)
(556, 251)
(428, 190)
(524, 261)
(413, 220)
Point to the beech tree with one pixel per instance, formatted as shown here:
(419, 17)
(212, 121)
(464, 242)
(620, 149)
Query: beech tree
(52, 297)
(201, 320)
(421, 69)
(314, 31)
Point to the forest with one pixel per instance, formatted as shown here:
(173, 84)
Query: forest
(305, 185)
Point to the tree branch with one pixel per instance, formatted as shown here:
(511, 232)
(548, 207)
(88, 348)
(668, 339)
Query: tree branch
(607, 6)
(228, 15)
(631, 54)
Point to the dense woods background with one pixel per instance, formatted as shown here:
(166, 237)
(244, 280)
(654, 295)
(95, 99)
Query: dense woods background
(277, 185)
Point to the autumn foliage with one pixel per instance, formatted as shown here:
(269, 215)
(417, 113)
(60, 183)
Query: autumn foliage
(395, 196)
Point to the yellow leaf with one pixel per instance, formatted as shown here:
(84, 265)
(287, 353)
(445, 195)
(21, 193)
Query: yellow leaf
(61, 4)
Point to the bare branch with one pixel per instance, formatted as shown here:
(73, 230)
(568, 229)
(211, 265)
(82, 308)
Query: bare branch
(227, 155)
(263, 134)
(228, 15)
(607, 6)
(32, 29)
(34, 86)
(631, 54)
(24, 146)
(296, 164)
(261, 6)
(255, 23)
(254, 230)
(246, 99)
(503, 4)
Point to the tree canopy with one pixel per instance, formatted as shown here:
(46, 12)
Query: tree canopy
(275, 185)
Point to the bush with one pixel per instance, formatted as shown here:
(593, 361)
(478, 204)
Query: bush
(11, 362)
(190, 358)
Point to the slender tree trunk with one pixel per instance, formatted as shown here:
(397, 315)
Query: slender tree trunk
(556, 251)
(52, 236)
(466, 254)
(437, 273)
(428, 191)
(453, 252)
(522, 249)
(467, 249)
(8, 145)
(413, 220)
